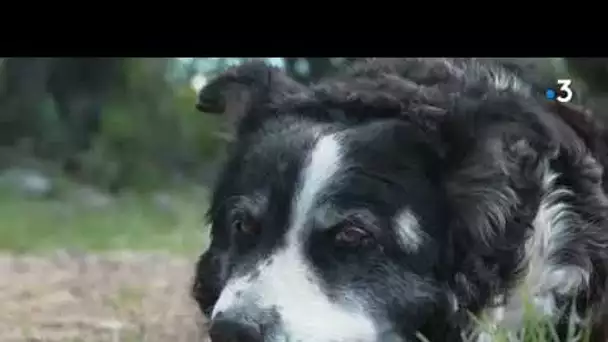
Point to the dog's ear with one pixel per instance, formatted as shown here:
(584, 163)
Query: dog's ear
(246, 90)
(497, 150)
(495, 153)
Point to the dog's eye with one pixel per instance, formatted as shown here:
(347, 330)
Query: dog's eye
(244, 224)
(353, 236)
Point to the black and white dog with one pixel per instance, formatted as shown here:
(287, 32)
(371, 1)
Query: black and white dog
(400, 198)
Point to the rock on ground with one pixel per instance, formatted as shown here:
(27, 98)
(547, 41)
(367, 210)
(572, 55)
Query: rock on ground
(29, 182)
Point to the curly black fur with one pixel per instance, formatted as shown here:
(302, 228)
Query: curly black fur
(492, 138)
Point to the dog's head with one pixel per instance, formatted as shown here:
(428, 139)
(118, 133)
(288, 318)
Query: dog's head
(342, 206)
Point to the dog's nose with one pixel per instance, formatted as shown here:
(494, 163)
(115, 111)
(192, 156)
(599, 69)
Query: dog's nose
(224, 329)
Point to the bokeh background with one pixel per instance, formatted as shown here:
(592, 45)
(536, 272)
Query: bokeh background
(105, 167)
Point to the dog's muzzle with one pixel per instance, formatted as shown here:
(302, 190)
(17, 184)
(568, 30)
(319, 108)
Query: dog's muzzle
(233, 329)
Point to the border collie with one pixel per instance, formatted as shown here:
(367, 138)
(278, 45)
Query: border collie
(401, 198)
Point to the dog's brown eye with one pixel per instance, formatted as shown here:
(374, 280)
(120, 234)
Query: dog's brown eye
(353, 236)
(245, 225)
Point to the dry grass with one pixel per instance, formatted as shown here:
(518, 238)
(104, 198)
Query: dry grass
(101, 297)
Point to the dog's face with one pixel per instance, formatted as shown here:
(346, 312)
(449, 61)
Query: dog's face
(330, 227)
(326, 231)
(329, 233)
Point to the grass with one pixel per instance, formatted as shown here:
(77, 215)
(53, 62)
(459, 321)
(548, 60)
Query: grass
(535, 328)
(126, 277)
(130, 222)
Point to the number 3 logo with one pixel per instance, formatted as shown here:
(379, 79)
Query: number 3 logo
(565, 88)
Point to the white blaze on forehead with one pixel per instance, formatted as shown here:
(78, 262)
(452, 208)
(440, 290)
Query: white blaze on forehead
(286, 282)
(409, 234)
(323, 164)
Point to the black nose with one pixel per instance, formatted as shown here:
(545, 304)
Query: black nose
(234, 330)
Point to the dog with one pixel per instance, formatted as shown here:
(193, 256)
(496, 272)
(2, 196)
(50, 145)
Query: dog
(402, 198)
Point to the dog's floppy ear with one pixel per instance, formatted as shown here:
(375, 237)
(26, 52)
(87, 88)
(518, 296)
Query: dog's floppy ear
(246, 90)
(496, 149)
(496, 153)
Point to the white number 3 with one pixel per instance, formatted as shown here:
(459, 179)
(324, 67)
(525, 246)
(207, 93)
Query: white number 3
(565, 87)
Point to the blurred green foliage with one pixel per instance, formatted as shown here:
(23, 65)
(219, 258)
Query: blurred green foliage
(151, 134)
(129, 221)
(132, 127)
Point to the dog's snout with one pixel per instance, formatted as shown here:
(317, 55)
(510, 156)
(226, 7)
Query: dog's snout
(226, 329)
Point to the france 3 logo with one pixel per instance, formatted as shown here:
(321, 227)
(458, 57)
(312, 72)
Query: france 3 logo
(563, 93)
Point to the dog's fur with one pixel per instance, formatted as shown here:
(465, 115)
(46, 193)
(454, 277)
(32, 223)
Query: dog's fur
(397, 198)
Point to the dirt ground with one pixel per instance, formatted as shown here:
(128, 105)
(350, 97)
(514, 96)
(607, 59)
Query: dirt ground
(84, 297)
